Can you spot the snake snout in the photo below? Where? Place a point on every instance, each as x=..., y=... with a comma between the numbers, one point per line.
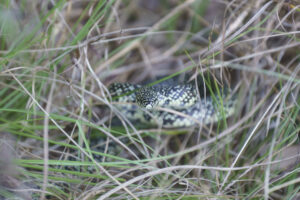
x=146, y=104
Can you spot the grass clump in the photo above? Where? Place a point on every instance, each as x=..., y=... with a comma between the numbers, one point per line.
x=58, y=57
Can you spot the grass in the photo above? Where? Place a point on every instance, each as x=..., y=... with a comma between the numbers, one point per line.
x=58, y=57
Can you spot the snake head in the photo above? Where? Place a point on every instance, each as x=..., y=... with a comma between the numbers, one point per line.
x=147, y=98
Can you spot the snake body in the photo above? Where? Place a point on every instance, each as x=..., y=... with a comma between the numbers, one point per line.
x=172, y=106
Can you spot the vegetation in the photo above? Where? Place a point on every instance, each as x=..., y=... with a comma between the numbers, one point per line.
x=58, y=57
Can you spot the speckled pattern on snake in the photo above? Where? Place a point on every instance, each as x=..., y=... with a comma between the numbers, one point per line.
x=173, y=106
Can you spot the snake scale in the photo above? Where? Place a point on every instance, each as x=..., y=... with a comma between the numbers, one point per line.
x=170, y=106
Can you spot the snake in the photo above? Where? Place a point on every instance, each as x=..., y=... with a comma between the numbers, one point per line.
x=170, y=106
x=166, y=106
